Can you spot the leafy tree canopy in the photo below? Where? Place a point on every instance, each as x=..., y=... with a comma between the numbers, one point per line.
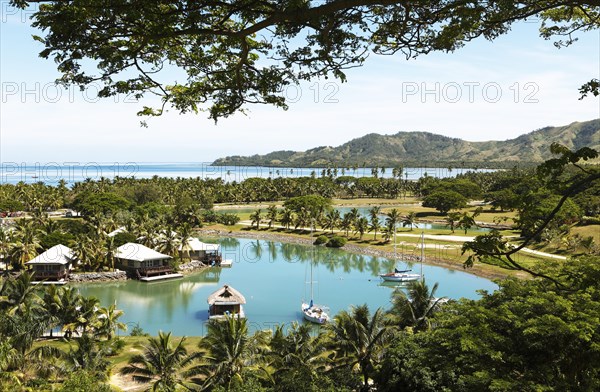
x=444, y=201
x=100, y=203
x=226, y=55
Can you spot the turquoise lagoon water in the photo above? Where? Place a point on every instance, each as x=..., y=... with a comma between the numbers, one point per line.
x=272, y=276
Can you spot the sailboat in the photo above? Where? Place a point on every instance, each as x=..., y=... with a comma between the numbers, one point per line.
x=312, y=312
x=402, y=276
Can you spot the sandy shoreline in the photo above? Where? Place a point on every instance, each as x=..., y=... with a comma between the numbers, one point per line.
x=364, y=250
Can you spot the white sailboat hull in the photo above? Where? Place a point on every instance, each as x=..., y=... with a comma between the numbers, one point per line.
x=400, y=277
x=314, y=314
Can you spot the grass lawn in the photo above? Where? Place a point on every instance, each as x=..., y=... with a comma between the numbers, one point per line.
x=587, y=231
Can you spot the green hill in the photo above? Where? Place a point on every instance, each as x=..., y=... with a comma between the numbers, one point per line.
x=429, y=149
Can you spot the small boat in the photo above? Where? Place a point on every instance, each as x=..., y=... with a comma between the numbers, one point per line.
x=402, y=276
x=314, y=313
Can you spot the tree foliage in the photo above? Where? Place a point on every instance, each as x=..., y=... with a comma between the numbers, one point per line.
x=444, y=201
x=240, y=52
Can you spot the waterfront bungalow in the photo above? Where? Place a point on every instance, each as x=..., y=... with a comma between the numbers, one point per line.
x=53, y=265
x=226, y=301
x=207, y=253
x=144, y=263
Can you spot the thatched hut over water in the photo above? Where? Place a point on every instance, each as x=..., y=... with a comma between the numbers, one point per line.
x=226, y=301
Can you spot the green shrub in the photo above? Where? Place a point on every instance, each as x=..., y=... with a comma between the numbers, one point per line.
x=337, y=242
x=322, y=239
x=82, y=381
x=228, y=219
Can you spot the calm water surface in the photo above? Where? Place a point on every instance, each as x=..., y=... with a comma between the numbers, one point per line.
x=52, y=172
x=272, y=276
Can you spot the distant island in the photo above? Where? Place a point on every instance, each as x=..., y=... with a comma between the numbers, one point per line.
x=428, y=149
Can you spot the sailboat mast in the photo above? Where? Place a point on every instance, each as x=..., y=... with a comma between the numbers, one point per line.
x=395, y=256
x=312, y=256
x=422, y=251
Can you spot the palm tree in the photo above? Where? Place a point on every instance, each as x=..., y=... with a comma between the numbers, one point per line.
x=86, y=315
x=361, y=226
x=287, y=217
x=414, y=309
x=25, y=243
x=303, y=218
x=51, y=304
x=168, y=242
x=255, y=217
x=185, y=234
x=451, y=219
x=332, y=220
x=5, y=246
x=22, y=318
x=347, y=223
x=297, y=350
x=84, y=250
x=388, y=231
x=69, y=301
x=354, y=215
x=374, y=217
x=272, y=215
x=229, y=350
x=410, y=220
x=359, y=339
x=393, y=217
x=19, y=295
x=110, y=247
x=108, y=321
x=374, y=226
x=89, y=355
x=162, y=364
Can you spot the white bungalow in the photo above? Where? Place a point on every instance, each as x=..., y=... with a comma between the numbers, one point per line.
x=226, y=301
x=53, y=265
x=198, y=250
x=144, y=263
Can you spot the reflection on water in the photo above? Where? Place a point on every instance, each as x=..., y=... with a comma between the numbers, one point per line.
x=272, y=276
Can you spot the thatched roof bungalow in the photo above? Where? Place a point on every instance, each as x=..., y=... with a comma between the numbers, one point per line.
x=226, y=301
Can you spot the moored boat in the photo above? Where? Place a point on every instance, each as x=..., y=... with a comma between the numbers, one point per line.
x=314, y=313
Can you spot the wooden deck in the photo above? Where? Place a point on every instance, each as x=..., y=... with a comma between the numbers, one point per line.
x=52, y=275
x=241, y=314
x=227, y=263
x=47, y=282
x=160, y=277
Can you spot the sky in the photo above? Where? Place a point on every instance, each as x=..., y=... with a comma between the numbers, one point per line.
x=485, y=91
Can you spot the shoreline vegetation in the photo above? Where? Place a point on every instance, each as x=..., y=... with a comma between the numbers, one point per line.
x=483, y=271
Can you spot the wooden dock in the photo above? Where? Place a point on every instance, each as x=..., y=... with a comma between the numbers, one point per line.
x=47, y=282
x=226, y=263
x=160, y=277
